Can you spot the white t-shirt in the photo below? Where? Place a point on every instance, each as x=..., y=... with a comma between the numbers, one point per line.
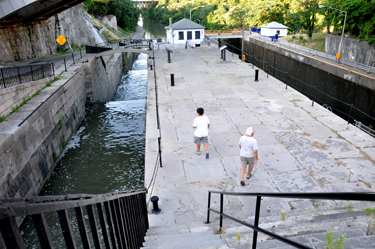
x=248, y=145
x=201, y=122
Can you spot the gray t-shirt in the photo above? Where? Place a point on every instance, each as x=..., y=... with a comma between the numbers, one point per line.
x=248, y=145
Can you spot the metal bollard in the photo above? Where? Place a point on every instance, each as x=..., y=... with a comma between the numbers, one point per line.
x=172, y=79
x=151, y=67
x=256, y=74
x=154, y=201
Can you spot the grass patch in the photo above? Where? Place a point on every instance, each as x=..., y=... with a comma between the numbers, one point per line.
x=16, y=108
x=318, y=41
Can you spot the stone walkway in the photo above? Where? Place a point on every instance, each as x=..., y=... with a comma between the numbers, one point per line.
x=302, y=148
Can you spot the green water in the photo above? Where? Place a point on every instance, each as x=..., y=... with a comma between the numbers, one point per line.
x=105, y=154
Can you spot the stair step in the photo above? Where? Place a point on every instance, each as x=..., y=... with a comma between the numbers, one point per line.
x=184, y=241
x=308, y=239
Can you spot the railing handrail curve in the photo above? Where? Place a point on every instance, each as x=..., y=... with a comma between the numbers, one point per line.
x=352, y=196
x=36, y=205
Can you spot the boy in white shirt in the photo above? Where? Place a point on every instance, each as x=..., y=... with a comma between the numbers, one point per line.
x=201, y=124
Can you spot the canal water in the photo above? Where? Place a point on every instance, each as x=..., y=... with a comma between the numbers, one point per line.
x=105, y=154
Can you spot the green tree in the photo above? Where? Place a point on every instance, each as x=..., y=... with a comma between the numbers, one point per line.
x=307, y=15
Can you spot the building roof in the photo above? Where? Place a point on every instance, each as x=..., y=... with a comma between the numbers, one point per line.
x=274, y=25
x=185, y=24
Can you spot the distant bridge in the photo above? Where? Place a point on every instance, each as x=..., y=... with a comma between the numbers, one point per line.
x=144, y=4
x=21, y=11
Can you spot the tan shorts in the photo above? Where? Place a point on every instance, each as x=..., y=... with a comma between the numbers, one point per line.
x=247, y=161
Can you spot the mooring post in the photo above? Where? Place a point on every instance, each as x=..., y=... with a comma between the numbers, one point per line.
x=172, y=79
x=155, y=205
x=256, y=74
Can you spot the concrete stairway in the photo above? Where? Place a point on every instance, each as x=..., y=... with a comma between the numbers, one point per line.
x=308, y=226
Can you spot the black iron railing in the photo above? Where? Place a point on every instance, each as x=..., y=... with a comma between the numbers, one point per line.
x=370, y=196
x=122, y=217
x=11, y=76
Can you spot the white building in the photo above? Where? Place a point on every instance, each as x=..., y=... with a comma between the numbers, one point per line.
x=185, y=30
x=272, y=28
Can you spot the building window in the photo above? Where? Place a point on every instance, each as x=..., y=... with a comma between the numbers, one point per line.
x=189, y=35
x=181, y=35
x=197, y=35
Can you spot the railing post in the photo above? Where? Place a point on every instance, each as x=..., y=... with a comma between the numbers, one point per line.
x=159, y=144
x=313, y=96
x=116, y=226
x=53, y=70
x=93, y=225
x=66, y=228
x=102, y=224
x=120, y=222
x=19, y=75
x=82, y=227
x=43, y=71
x=350, y=113
x=73, y=58
x=2, y=76
x=110, y=225
x=256, y=221
x=80, y=52
x=42, y=230
x=221, y=211
x=287, y=81
x=65, y=64
x=11, y=234
x=208, y=207
x=32, y=72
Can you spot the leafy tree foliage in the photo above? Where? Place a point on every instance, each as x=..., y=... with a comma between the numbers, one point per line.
x=124, y=10
x=296, y=14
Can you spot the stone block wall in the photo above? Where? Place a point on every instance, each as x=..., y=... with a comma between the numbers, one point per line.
x=29, y=152
x=14, y=96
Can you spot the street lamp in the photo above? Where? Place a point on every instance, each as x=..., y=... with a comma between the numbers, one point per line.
x=257, y=9
x=195, y=9
x=338, y=55
x=199, y=21
x=243, y=26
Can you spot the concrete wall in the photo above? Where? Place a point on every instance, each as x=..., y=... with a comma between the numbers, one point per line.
x=349, y=87
x=352, y=49
x=30, y=152
x=14, y=96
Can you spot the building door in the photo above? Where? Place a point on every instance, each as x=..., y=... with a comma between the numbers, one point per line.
x=189, y=35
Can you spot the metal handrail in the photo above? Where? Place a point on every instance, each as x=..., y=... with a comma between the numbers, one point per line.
x=124, y=222
x=11, y=76
x=350, y=196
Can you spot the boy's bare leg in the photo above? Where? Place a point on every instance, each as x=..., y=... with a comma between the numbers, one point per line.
x=198, y=148
x=205, y=147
